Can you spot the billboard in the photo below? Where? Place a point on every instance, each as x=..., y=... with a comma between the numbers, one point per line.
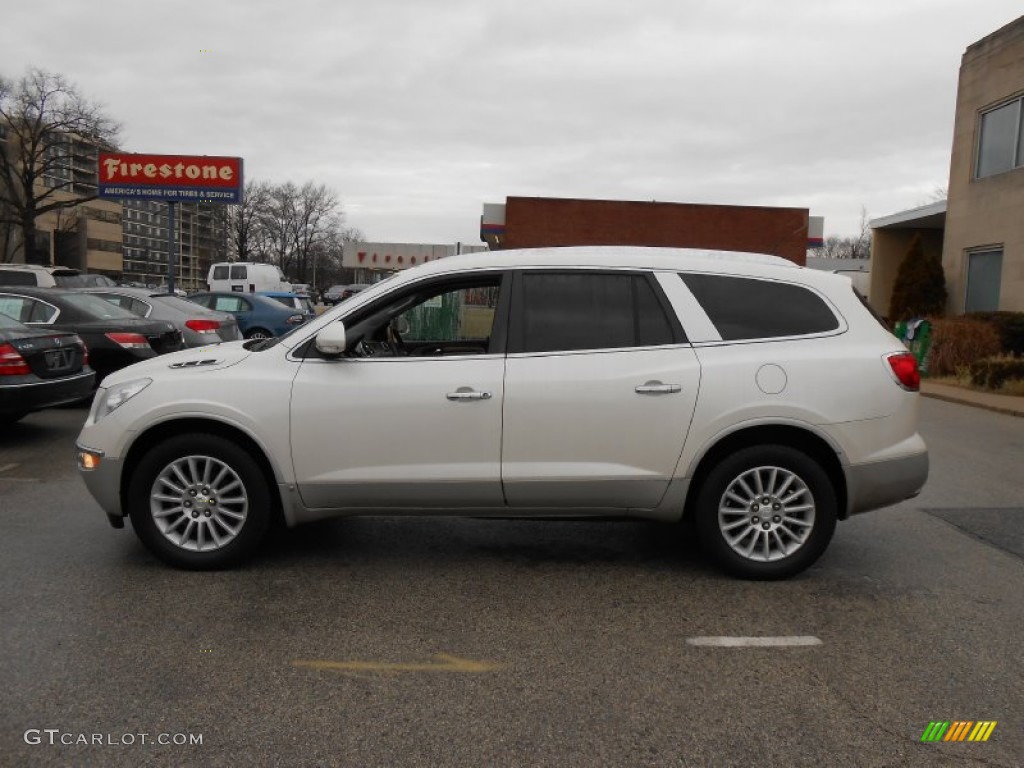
x=171, y=178
x=395, y=256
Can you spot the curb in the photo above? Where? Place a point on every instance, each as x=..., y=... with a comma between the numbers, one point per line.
x=974, y=404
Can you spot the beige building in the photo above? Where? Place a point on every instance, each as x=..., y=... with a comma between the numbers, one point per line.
x=85, y=236
x=979, y=229
x=983, y=253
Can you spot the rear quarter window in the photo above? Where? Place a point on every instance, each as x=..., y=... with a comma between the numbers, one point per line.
x=744, y=308
x=17, y=277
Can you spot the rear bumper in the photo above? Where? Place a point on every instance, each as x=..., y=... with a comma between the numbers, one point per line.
x=883, y=483
x=34, y=396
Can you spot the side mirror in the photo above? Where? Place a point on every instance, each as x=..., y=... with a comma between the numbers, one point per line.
x=330, y=342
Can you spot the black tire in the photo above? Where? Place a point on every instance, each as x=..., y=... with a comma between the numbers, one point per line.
x=212, y=518
x=258, y=333
x=784, y=537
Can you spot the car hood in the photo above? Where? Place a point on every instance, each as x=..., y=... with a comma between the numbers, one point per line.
x=211, y=358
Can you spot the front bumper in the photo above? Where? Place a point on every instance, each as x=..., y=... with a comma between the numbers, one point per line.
x=104, y=483
x=883, y=483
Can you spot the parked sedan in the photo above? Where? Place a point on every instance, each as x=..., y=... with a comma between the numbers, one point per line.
x=258, y=317
x=40, y=369
x=295, y=301
x=199, y=326
x=114, y=336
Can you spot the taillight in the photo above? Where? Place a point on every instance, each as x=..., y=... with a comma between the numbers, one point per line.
x=85, y=349
x=203, y=326
x=904, y=369
x=11, y=362
x=129, y=340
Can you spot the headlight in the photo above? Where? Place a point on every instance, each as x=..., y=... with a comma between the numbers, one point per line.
x=106, y=401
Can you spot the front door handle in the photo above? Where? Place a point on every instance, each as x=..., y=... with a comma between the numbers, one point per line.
x=464, y=393
x=657, y=388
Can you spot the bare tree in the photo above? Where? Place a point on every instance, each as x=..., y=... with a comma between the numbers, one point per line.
x=326, y=257
x=855, y=247
x=317, y=215
x=246, y=233
x=41, y=115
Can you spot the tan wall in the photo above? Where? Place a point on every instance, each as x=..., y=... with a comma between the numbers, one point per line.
x=888, y=249
x=989, y=211
x=75, y=219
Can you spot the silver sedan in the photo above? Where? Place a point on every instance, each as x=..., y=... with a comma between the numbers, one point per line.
x=198, y=325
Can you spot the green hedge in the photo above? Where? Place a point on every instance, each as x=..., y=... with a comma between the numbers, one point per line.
x=993, y=372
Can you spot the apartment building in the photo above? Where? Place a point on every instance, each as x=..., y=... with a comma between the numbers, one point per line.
x=201, y=240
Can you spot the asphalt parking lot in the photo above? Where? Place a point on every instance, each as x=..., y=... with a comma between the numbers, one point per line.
x=423, y=642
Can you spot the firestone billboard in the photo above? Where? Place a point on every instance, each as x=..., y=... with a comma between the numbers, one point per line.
x=171, y=178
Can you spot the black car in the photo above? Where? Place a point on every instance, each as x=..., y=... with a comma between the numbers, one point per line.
x=338, y=293
x=114, y=336
x=39, y=369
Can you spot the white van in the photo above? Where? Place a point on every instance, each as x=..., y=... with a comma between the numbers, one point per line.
x=246, y=277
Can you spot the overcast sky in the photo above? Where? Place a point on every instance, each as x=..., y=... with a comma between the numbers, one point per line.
x=416, y=112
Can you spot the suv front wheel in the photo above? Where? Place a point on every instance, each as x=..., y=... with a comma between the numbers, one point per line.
x=199, y=502
x=766, y=512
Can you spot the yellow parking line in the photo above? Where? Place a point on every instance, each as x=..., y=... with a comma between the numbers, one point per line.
x=442, y=663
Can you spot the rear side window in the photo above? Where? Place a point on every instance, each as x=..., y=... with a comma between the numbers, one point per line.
x=221, y=272
x=17, y=277
x=228, y=304
x=560, y=311
x=748, y=308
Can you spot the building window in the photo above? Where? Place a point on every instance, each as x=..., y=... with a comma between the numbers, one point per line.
x=984, y=275
x=1000, y=143
x=95, y=244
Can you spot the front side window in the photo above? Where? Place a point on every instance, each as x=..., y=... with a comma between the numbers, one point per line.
x=743, y=308
x=1001, y=140
x=568, y=311
x=439, y=318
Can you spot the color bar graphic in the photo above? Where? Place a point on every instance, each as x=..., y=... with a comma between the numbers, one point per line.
x=958, y=730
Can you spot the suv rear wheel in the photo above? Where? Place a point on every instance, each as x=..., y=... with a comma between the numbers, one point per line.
x=199, y=502
x=766, y=512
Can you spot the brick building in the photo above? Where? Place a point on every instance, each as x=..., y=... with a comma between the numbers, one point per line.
x=537, y=222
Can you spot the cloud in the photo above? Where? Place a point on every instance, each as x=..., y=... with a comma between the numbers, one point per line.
x=417, y=113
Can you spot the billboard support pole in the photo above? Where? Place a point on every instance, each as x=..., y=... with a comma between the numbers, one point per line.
x=172, y=257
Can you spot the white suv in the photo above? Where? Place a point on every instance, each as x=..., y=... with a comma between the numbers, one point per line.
x=759, y=398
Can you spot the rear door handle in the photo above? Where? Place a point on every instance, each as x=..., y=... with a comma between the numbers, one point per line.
x=468, y=394
x=657, y=388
